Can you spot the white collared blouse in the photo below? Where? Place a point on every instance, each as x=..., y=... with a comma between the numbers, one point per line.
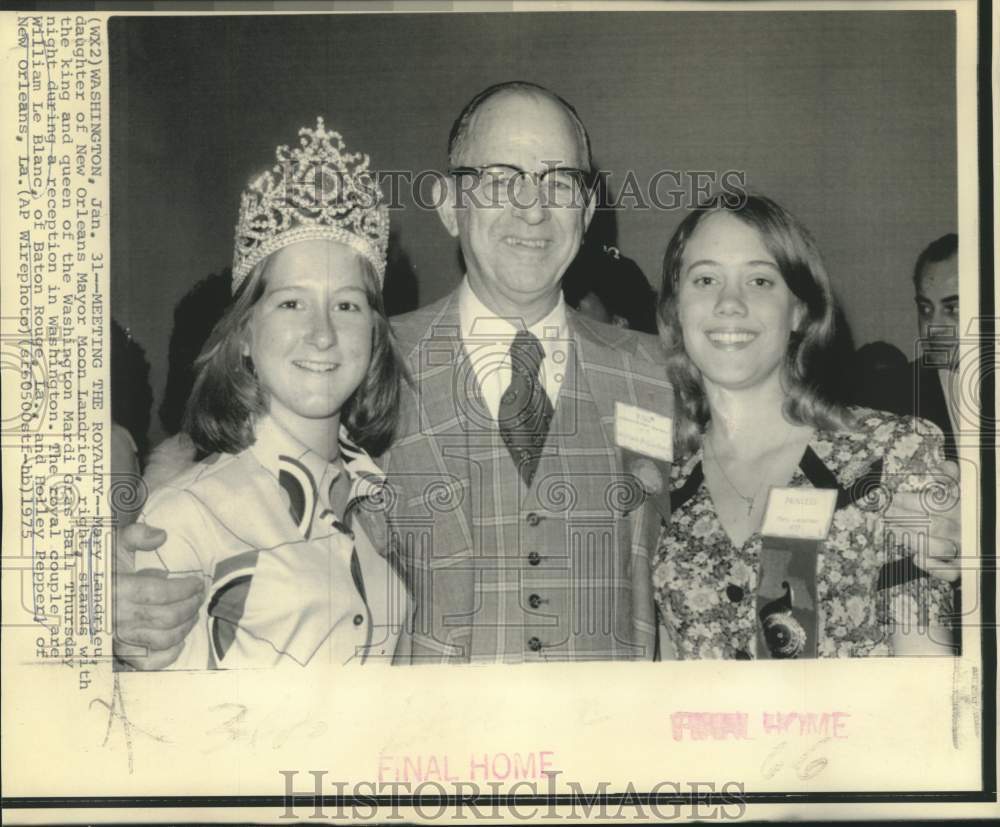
x=291, y=577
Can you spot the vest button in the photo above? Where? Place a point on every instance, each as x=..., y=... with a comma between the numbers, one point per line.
x=534, y=558
x=734, y=593
x=534, y=601
x=534, y=644
x=358, y=620
x=533, y=519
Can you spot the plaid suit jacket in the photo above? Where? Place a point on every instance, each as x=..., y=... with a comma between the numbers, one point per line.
x=430, y=483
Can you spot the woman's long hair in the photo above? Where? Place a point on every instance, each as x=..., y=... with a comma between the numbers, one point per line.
x=806, y=373
x=226, y=397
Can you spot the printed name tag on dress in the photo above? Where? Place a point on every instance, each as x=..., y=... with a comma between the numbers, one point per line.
x=800, y=513
x=644, y=432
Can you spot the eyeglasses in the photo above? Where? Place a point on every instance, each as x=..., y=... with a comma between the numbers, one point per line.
x=502, y=184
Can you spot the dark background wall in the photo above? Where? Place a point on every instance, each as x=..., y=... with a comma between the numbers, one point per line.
x=847, y=118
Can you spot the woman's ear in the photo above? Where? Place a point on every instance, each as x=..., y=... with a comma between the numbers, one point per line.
x=245, y=335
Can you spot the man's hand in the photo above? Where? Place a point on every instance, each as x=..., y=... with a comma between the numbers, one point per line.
x=944, y=551
x=153, y=614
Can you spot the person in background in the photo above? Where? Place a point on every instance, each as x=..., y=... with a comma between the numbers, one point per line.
x=928, y=387
x=608, y=287
x=871, y=366
x=879, y=358
x=195, y=316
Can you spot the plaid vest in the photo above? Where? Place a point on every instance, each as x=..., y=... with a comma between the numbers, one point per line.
x=468, y=530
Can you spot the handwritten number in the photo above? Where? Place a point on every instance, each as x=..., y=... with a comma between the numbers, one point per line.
x=312, y=729
x=805, y=768
x=771, y=766
x=238, y=727
x=814, y=767
x=232, y=727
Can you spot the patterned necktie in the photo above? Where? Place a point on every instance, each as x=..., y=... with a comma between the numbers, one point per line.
x=525, y=410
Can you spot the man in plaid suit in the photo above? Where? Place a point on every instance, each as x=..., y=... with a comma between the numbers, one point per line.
x=526, y=546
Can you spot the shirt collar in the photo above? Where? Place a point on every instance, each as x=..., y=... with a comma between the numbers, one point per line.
x=367, y=479
x=278, y=451
x=951, y=400
x=274, y=447
x=477, y=320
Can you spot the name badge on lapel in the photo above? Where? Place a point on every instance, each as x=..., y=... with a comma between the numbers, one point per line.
x=644, y=432
x=646, y=440
x=796, y=521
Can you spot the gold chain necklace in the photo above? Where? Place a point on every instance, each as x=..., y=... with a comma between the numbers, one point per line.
x=750, y=501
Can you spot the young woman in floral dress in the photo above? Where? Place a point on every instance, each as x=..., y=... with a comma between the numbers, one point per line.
x=747, y=315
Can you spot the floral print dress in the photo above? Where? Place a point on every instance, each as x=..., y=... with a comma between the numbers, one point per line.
x=705, y=586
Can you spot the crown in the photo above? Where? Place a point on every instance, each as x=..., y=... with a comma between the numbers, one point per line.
x=317, y=190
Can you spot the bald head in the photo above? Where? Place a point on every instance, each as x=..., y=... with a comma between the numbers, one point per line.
x=465, y=125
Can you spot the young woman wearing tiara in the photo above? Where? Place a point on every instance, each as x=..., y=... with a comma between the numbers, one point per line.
x=298, y=383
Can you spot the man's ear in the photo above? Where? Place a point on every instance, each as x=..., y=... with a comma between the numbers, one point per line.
x=443, y=192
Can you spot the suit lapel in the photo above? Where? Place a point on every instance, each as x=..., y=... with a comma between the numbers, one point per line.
x=932, y=402
x=614, y=372
x=607, y=357
x=442, y=381
x=446, y=590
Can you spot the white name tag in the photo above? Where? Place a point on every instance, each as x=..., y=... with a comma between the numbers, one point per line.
x=644, y=432
x=802, y=513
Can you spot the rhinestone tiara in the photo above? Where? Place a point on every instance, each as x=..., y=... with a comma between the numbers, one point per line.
x=318, y=190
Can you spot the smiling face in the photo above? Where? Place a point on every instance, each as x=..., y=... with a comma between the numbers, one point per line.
x=310, y=336
x=517, y=252
x=735, y=310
